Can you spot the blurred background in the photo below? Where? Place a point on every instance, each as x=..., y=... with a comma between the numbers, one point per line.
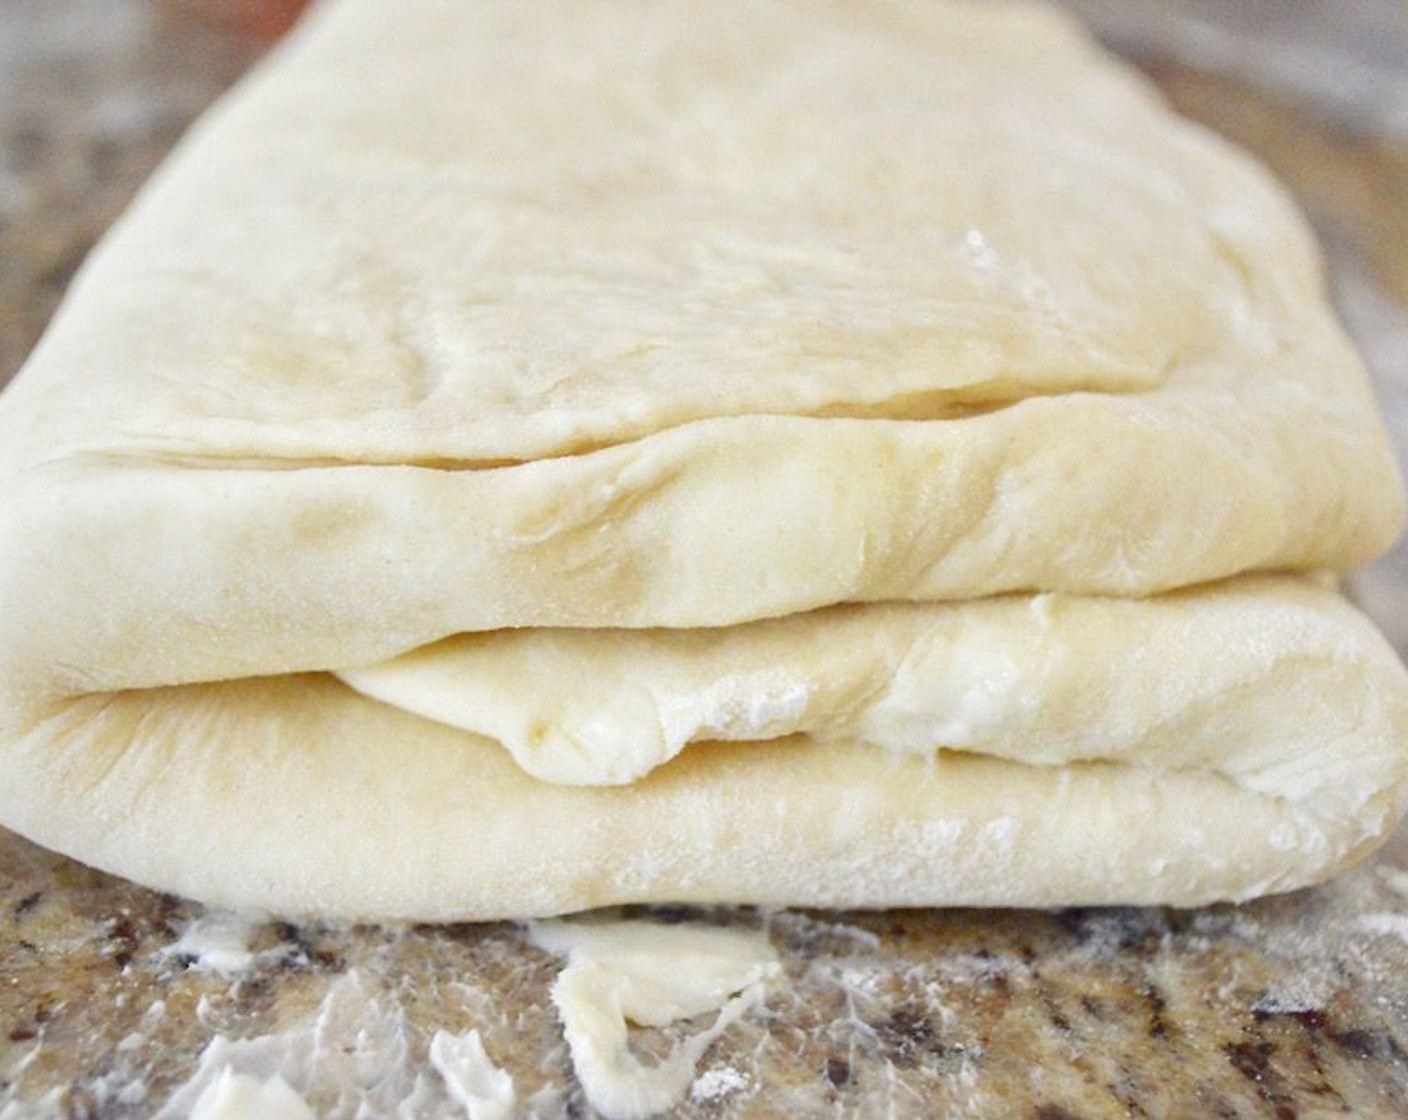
x=94, y=92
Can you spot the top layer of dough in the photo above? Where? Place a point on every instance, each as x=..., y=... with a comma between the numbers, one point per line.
x=567, y=226
x=463, y=316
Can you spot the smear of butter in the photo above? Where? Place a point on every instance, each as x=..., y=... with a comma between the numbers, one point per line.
x=238, y=1096
x=356, y=1057
x=651, y=974
x=352, y=1056
x=473, y=1080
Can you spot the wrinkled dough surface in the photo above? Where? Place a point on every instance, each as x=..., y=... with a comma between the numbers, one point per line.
x=503, y=237
x=1256, y=680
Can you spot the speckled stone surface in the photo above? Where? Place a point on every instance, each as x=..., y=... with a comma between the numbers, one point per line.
x=1291, y=1007
x=1294, y=1007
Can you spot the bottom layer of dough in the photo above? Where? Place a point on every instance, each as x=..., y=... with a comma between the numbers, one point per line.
x=299, y=796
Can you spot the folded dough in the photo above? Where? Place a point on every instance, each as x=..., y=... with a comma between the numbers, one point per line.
x=468, y=318
x=1265, y=682
x=1216, y=744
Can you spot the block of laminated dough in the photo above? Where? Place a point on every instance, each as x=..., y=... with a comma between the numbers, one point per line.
x=759, y=344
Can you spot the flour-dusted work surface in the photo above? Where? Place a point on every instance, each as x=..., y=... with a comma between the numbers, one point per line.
x=117, y=1002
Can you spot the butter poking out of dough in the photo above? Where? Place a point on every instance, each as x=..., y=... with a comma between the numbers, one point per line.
x=238, y=1096
x=621, y=972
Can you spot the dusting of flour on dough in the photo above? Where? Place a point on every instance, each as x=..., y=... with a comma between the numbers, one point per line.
x=743, y=707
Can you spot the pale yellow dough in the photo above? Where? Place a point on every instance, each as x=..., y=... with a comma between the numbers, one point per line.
x=463, y=317
x=1275, y=684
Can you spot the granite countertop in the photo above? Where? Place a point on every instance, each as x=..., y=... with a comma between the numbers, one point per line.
x=116, y=1002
